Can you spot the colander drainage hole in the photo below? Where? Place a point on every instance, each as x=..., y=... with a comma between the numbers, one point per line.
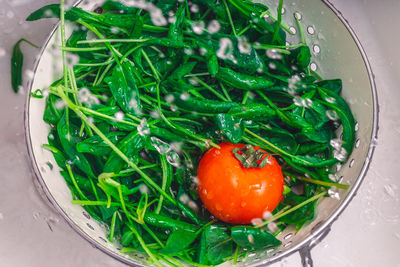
x=351, y=163
x=356, y=126
x=269, y=251
x=316, y=49
x=102, y=239
x=310, y=30
x=292, y=29
x=90, y=226
x=288, y=236
x=313, y=66
x=358, y=143
x=86, y=214
x=287, y=244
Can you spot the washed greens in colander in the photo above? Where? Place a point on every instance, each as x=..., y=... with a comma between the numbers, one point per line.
x=149, y=87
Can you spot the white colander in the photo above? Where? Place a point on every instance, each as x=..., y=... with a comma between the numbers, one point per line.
x=337, y=53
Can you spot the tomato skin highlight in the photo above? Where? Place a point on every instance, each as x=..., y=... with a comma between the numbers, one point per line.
x=233, y=193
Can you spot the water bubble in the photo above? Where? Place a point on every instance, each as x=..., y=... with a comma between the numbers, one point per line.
x=225, y=50
x=273, y=54
x=188, y=51
x=71, y=59
x=143, y=189
x=10, y=14
x=272, y=65
x=390, y=190
x=333, y=193
x=184, y=96
x=193, y=205
x=332, y=115
x=155, y=12
x=115, y=30
x=36, y=215
x=29, y=74
x=340, y=154
x=60, y=104
x=119, y=115
x=301, y=102
x=161, y=146
x=336, y=143
x=85, y=97
x=198, y=27
x=184, y=198
x=173, y=158
x=213, y=26
x=202, y=51
x=143, y=127
x=256, y=221
x=250, y=237
x=272, y=227
x=267, y=215
x=194, y=8
x=171, y=19
x=243, y=45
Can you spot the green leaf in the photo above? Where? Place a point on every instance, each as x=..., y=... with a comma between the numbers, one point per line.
x=49, y=11
x=130, y=146
x=215, y=245
x=334, y=85
x=96, y=145
x=178, y=241
x=54, y=109
x=124, y=89
x=17, y=61
x=58, y=155
x=69, y=137
x=253, y=238
x=300, y=215
x=231, y=126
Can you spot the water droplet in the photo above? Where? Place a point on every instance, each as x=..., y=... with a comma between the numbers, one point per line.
x=10, y=14
x=256, y=221
x=225, y=50
x=194, y=8
x=273, y=54
x=218, y=207
x=272, y=227
x=173, y=158
x=267, y=215
x=143, y=189
x=333, y=193
x=243, y=45
x=332, y=115
x=143, y=127
x=161, y=146
x=340, y=154
x=198, y=27
x=250, y=238
x=119, y=115
x=36, y=215
x=213, y=26
x=390, y=190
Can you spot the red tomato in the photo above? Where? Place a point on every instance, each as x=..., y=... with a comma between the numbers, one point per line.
x=233, y=193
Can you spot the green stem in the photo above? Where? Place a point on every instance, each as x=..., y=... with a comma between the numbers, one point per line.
x=163, y=160
x=115, y=148
x=276, y=217
x=153, y=69
x=313, y=181
x=93, y=41
x=212, y=90
x=228, y=13
x=112, y=227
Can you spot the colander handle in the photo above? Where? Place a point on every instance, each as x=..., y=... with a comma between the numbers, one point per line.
x=305, y=251
x=306, y=259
